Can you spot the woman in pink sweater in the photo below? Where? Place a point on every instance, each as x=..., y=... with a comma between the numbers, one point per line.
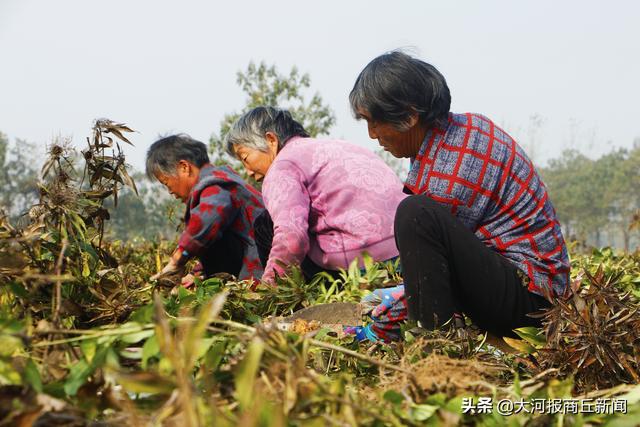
x=327, y=201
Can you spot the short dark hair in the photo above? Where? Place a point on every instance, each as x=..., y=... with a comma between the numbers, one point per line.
x=164, y=155
x=250, y=129
x=395, y=85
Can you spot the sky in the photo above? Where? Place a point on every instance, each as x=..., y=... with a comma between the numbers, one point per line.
x=161, y=66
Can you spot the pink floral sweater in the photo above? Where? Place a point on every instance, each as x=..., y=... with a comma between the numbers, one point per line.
x=330, y=200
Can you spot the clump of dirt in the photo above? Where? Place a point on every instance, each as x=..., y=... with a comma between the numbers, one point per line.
x=438, y=373
x=301, y=326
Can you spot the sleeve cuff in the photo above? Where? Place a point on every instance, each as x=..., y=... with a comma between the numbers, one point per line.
x=184, y=256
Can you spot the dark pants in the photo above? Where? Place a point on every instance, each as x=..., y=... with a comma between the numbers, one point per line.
x=225, y=255
x=447, y=269
x=263, y=229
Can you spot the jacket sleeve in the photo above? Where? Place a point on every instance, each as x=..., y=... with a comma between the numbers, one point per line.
x=287, y=200
x=209, y=217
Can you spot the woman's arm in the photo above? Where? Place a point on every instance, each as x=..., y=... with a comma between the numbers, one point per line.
x=208, y=219
x=287, y=200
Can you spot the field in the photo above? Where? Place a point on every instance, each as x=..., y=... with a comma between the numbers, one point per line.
x=87, y=339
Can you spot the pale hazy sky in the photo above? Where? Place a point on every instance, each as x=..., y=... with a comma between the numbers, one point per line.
x=170, y=66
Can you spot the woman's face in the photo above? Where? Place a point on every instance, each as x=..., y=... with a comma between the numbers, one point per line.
x=180, y=184
x=400, y=143
x=257, y=162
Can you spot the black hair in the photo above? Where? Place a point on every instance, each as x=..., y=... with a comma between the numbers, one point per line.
x=394, y=86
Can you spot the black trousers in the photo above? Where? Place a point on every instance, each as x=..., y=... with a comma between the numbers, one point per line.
x=447, y=269
x=225, y=255
x=263, y=229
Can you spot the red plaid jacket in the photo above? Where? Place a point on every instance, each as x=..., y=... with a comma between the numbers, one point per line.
x=222, y=202
x=479, y=172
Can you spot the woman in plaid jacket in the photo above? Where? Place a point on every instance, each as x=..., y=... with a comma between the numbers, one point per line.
x=478, y=234
x=220, y=209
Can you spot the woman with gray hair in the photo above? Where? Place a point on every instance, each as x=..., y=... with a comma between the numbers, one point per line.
x=479, y=234
x=327, y=201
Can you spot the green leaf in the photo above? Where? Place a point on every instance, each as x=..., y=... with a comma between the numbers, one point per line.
x=131, y=353
x=517, y=389
x=18, y=290
x=195, y=333
x=88, y=348
x=78, y=224
x=9, y=344
x=143, y=315
x=455, y=404
x=164, y=366
x=11, y=326
x=520, y=345
x=78, y=375
x=393, y=397
x=108, y=357
x=32, y=376
x=438, y=399
x=246, y=375
x=202, y=347
x=367, y=261
x=149, y=349
x=323, y=333
x=135, y=337
x=214, y=355
x=8, y=374
x=532, y=335
x=183, y=293
x=422, y=412
x=86, y=271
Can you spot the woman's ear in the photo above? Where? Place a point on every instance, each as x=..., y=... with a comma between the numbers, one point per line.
x=413, y=119
x=184, y=168
x=272, y=142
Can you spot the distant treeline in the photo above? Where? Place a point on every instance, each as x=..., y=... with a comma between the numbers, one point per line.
x=596, y=200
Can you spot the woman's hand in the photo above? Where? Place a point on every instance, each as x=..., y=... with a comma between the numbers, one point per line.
x=188, y=280
x=170, y=268
x=387, y=307
x=173, y=266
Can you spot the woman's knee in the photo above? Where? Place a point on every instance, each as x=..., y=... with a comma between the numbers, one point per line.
x=412, y=211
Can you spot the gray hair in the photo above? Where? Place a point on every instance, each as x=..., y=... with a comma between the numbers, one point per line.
x=164, y=155
x=394, y=86
x=250, y=129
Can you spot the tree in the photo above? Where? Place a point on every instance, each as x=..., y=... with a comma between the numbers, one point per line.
x=264, y=85
x=150, y=214
x=592, y=197
x=576, y=194
x=623, y=189
x=18, y=176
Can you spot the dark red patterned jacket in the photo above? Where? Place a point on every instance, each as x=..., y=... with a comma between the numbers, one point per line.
x=483, y=176
x=222, y=202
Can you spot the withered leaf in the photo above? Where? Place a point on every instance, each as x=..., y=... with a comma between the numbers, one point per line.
x=46, y=167
x=127, y=178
